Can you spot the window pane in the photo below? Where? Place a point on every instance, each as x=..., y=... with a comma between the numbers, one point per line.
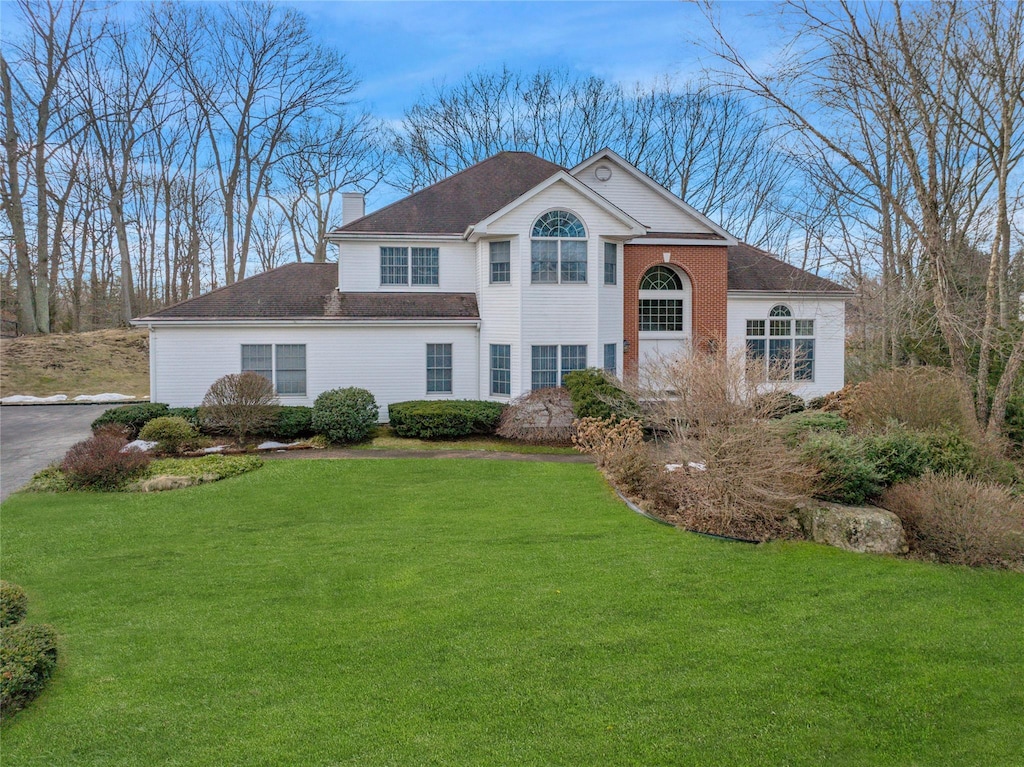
x=780, y=359
x=803, y=365
x=661, y=314
x=611, y=263
x=610, y=355
x=394, y=266
x=258, y=358
x=661, y=278
x=291, y=368
x=573, y=358
x=501, y=261
x=425, y=266
x=558, y=223
x=501, y=369
x=804, y=327
x=755, y=327
x=756, y=358
x=780, y=310
x=574, y=261
x=780, y=327
x=439, y=368
x=544, y=261
x=544, y=368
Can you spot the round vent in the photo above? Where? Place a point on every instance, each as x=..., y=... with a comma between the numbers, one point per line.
x=602, y=173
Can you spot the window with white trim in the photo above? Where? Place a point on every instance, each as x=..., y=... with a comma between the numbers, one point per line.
x=662, y=314
x=501, y=370
x=550, y=364
x=409, y=266
x=501, y=262
x=558, y=249
x=611, y=263
x=439, y=368
x=780, y=348
x=611, y=359
x=284, y=365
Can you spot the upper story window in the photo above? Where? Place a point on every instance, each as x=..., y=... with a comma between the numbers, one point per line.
x=558, y=249
x=611, y=263
x=501, y=261
x=662, y=311
x=781, y=349
x=409, y=266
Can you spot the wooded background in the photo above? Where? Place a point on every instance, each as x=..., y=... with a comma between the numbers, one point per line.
x=149, y=160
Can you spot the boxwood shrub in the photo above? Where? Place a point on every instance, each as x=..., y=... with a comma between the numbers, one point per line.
x=28, y=658
x=293, y=422
x=13, y=603
x=132, y=417
x=345, y=415
x=595, y=395
x=444, y=419
x=173, y=434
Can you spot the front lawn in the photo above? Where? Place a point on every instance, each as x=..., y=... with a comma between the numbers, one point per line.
x=410, y=612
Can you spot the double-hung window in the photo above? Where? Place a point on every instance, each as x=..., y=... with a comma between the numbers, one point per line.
x=439, y=368
x=409, y=266
x=558, y=249
x=284, y=365
x=611, y=263
x=610, y=359
x=501, y=262
x=501, y=370
x=781, y=348
x=550, y=364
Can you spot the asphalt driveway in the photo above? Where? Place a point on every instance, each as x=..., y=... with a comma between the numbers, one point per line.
x=34, y=436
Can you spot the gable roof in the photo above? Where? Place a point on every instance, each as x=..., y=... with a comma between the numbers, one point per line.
x=452, y=205
x=310, y=292
x=756, y=270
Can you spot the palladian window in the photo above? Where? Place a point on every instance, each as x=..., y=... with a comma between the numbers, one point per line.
x=662, y=314
x=558, y=249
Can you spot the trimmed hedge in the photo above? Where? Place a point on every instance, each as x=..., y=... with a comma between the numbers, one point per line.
x=444, y=419
x=132, y=417
x=595, y=395
x=28, y=658
x=345, y=415
x=293, y=422
x=173, y=434
x=13, y=603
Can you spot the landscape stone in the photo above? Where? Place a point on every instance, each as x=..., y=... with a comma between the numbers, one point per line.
x=866, y=529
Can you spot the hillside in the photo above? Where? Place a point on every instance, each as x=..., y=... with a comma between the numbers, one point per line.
x=76, y=363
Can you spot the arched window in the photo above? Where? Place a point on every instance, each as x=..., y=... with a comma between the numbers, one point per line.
x=781, y=349
x=663, y=313
x=558, y=249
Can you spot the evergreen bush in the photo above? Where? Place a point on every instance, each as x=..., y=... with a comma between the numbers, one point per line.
x=345, y=415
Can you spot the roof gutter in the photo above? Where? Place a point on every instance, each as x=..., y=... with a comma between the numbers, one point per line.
x=152, y=322
x=808, y=293
x=415, y=236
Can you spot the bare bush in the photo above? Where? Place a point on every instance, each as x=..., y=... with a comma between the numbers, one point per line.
x=241, y=404
x=541, y=416
x=920, y=398
x=607, y=438
x=961, y=521
x=102, y=462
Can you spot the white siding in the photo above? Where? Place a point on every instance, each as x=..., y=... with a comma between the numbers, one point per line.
x=389, y=361
x=829, y=315
x=500, y=315
x=639, y=200
x=359, y=266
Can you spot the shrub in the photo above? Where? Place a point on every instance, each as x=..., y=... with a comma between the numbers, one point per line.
x=795, y=427
x=960, y=521
x=920, y=398
x=13, y=603
x=607, y=438
x=777, y=404
x=240, y=404
x=619, y=450
x=949, y=453
x=172, y=434
x=845, y=474
x=28, y=658
x=211, y=466
x=897, y=455
x=1014, y=425
x=444, y=419
x=190, y=414
x=595, y=395
x=541, y=416
x=101, y=463
x=49, y=480
x=292, y=422
x=132, y=417
x=345, y=415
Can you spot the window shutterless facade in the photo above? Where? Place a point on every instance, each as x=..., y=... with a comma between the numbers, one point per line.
x=409, y=266
x=501, y=262
x=781, y=348
x=611, y=359
x=611, y=263
x=501, y=370
x=550, y=364
x=439, y=368
x=284, y=365
x=558, y=249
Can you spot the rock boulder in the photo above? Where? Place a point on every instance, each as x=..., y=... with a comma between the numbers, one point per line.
x=866, y=529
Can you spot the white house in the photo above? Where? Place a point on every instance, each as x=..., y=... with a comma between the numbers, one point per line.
x=498, y=280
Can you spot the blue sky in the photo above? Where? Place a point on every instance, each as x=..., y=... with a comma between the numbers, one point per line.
x=400, y=49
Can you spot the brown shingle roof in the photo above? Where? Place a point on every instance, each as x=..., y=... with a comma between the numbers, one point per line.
x=751, y=268
x=451, y=205
x=310, y=291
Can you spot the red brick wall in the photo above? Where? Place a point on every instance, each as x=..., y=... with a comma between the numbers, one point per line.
x=708, y=271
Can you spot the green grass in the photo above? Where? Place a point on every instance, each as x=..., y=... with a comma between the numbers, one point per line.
x=384, y=438
x=476, y=613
